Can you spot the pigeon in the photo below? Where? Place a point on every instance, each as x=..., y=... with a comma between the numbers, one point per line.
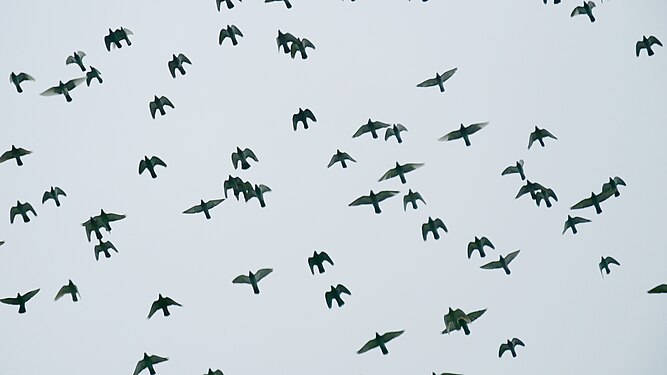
x=647, y=43
x=517, y=168
x=230, y=32
x=503, y=262
x=604, y=264
x=478, y=244
x=318, y=260
x=20, y=300
x=439, y=80
x=284, y=40
x=150, y=165
x=229, y=3
x=177, y=63
x=148, y=362
x=70, y=289
x=340, y=157
x=586, y=9
x=530, y=187
x=287, y=3
x=303, y=116
x=571, y=222
x=158, y=104
x=21, y=209
x=115, y=37
x=457, y=319
x=374, y=199
x=372, y=127
x=511, y=346
x=241, y=156
x=103, y=247
x=611, y=188
x=234, y=183
x=432, y=226
x=16, y=79
x=255, y=192
x=662, y=288
x=400, y=171
x=300, y=45
x=538, y=135
x=162, y=303
x=54, y=193
x=76, y=58
x=334, y=294
x=203, y=207
x=412, y=198
x=380, y=341
x=395, y=131
x=15, y=153
x=253, y=278
x=93, y=225
x=64, y=88
x=594, y=200
x=94, y=73
x=464, y=132
x=104, y=219
x=545, y=194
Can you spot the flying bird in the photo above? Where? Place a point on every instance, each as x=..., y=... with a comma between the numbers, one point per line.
x=70, y=289
x=464, y=132
x=54, y=193
x=158, y=104
x=20, y=300
x=284, y=39
x=503, y=262
x=340, y=157
x=571, y=222
x=303, y=116
x=76, y=58
x=115, y=37
x=2, y=243
x=234, y=183
x=253, y=278
x=64, y=88
x=334, y=294
x=230, y=32
x=370, y=127
x=604, y=264
x=594, y=201
x=586, y=9
x=21, y=209
x=147, y=363
x=162, y=303
x=16, y=79
x=255, y=192
x=478, y=244
x=380, y=341
x=229, y=3
x=539, y=135
x=287, y=3
x=517, y=168
x=242, y=156
x=611, y=188
x=529, y=187
x=15, y=153
x=318, y=260
x=150, y=165
x=433, y=226
x=216, y=372
x=105, y=218
x=555, y=1
x=400, y=171
x=457, y=319
x=374, y=199
x=203, y=207
x=662, y=288
x=395, y=131
x=511, y=346
x=93, y=74
x=93, y=225
x=300, y=45
x=544, y=194
x=647, y=43
x=439, y=80
x=177, y=63
x=412, y=198
x=103, y=247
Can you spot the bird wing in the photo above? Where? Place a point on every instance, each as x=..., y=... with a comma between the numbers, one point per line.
x=583, y=204
x=503, y=348
x=153, y=107
x=10, y=301
x=170, y=302
x=157, y=161
x=213, y=202
x=492, y=265
x=140, y=366
x=241, y=279
x=329, y=296
x=236, y=30
x=471, y=249
x=638, y=47
x=411, y=167
x=223, y=34
x=388, y=133
x=142, y=166
x=406, y=199
x=27, y=77
x=114, y=217
x=653, y=40
x=59, y=191
x=29, y=295
x=662, y=288
x=311, y=264
x=456, y=134
x=333, y=160
x=516, y=341
x=172, y=64
x=46, y=196
x=486, y=242
x=326, y=258
x=70, y=60
x=12, y=213
x=193, y=209
x=385, y=194
x=342, y=289
x=306, y=43
x=362, y=129
x=440, y=224
x=51, y=91
x=165, y=101
x=546, y=133
x=183, y=59
x=473, y=128
x=446, y=75
x=63, y=290
x=368, y=346
x=236, y=158
x=391, y=335
x=425, y=230
x=476, y=314
x=511, y=256
x=389, y=174
x=72, y=83
x=577, y=11
x=611, y=260
x=579, y=220
x=428, y=83
x=155, y=306
x=510, y=169
x=263, y=188
x=365, y=199
x=532, y=138
x=309, y=114
x=249, y=154
x=262, y=273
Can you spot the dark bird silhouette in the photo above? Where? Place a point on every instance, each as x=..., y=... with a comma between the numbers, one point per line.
x=257, y=191
x=162, y=303
x=177, y=63
x=70, y=289
x=586, y=9
x=241, y=156
x=503, y=262
x=611, y=188
x=216, y=372
x=571, y=222
x=54, y=193
x=318, y=260
x=253, y=278
x=539, y=135
x=147, y=363
x=303, y=116
x=105, y=218
x=374, y=199
x=340, y=157
x=395, y=131
x=230, y=32
x=20, y=300
x=439, y=80
x=16, y=79
x=234, y=183
x=478, y=244
x=103, y=247
x=464, y=132
x=158, y=105
x=370, y=127
x=76, y=58
x=647, y=43
x=2, y=243
x=229, y=3
x=517, y=168
x=594, y=200
x=334, y=294
x=544, y=194
x=203, y=207
x=284, y=39
x=412, y=198
x=380, y=341
x=93, y=225
x=662, y=288
x=15, y=153
x=287, y=3
x=300, y=45
x=93, y=74
x=529, y=187
x=400, y=171
x=64, y=88
x=150, y=165
x=432, y=226
x=21, y=209
x=604, y=264
x=511, y=346
x=555, y=1
x=115, y=37
x=457, y=319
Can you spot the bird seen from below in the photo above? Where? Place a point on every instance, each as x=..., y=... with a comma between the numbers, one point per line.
x=242, y=156
x=16, y=79
x=158, y=105
x=340, y=157
x=511, y=346
x=20, y=300
x=539, y=135
x=253, y=278
x=93, y=74
x=15, y=153
x=439, y=80
x=604, y=264
x=380, y=341
x=103, y=247
x=162, y=303
x=303, y=116
x=400, y=171
x=256, y=191
x=300, y=45
x=412, y=198
x=572, y=222
x=478, y=244
x=503, y=262
x=432, y=226
x=318, y=260
x=517, y=168
x=70, y=289
x=147, y=362
x=176, y=63
x=586, y=8
x=457, y=319
x=594, y=200
x=231, y=31
x=374, y=199
x=335, y=294
x=464, y=132
x=204, y=207
x=54, y=193
x=395, y=131
x=150, y=164
x=76, y=58
x=370, y=127
x=64, y=88
x=116, y=36
x=21, y=209
x=646, y=43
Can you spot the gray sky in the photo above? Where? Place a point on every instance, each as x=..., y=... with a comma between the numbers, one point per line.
x=520, y=64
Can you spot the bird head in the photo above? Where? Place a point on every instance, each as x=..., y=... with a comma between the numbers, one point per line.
x=146, y=356
x=155, y=98
x=201, y=201
x=377, y=335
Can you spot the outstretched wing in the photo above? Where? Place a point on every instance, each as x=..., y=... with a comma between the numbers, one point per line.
x=473, y=128
x=456, y=134
x=154, y=308
x=516, y=341
x=183, y=59
x=503, y=348
x=368, y=346
x=361, y=200
x=411, y=167
x=476, y=314
x=213, y=202
x=30, y=294
x=428, y=83
x=389, y=174
x=583, y=204
x=157, y=161
x=262, y=273
x=385, y=194
x=611, y=260
x=342, y=289
x=492, y=265
x=662, y=288
x=363, y=129
x=63, y=290
x=241, y=279
x=511, y=256
x=446, y=75
x=509, y=170
x=194, y=209
x=391, y=335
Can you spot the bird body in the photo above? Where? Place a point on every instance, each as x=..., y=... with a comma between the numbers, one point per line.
x=253, y=278
x=594, y=201
x=150, y=165
x=70, y=289
x=318, y=260
x=478, y=244
x=76, y=58
x=457, y=319
x=162, y=303
x=303, y=116
x=611, y=188
x=517, y=168
x=604, y=264
x=116, y=36
x=242, y=156
x=177, y=63
x=16, y=79
x=54, y=193
x=464, y=132
x=94, y=73
x=334, y=294
x=586, y=8
x=374, y=199
x=203, y=207
x=256, y=192
x=646, y=43
x=230, y=32
x=380, y=341
x=412, y=198
x=395, y=131
x=539, y=135
x=503, y=262
x=340, y=157
x=20, y=300
x=147, y=363
x=16, y=154
x=370, y=127
x=433, y=226
x=158, y=105
x=544, y=194
x=571, y=222
x=284, y=39
x=439, y=80
x=400, y=171
x=511, y=346
x=234, y=183
x=21, y=209
x=103, y=247
x=64, y=88
x=300, y=45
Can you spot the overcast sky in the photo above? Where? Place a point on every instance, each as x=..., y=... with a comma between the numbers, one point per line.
x=520, y=64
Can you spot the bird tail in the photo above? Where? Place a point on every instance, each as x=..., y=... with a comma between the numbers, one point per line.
x=19, y=162
x=20, y=90
x=74, y=297
x=466, y=330
x=22, y=308
x=255, y=288
x=649, y=50
x=68, y=97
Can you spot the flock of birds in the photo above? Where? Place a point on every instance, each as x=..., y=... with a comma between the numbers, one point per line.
x=454, y=320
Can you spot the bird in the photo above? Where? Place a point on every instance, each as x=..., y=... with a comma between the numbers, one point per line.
x=20, y=300
x=230, y=32
x=16, y=79
x=538, y=135
x=216, y=372
x=203, y=207
x=395, y=131
x=242, y=156
x=253, y=278
x=374, y=199
x=412, y=198
x=148, y=362
x=478, y=244
x=70, y=289
x=400, y=171
x=340, y=157
x=255, y=192
x=177, y=63
x=457, y=319
x=104, y=219
x=517, y=168
x=300, y=45
x=234, y=183
x=334, y=294
x=545, y=194
x=529, y=187
x=303, y=116
x=162, y=303
x=611, y=188
x=76, y=58
x=439, y=80
x=103, y=247
x=662, y=288
x=229, y=3
x=511, y=346
x=604, y=264
x=64, y=88
x=555, y=1
x=381, y=341
x=284, y=39
x=93, y=225
x=158, y=104
x=503, y=262
x=150, y=165
x=21, y=209
x=15, y=153
x=586, y=9
x=94, y=73
x=370, y=127
x=318, y=260
x=594, y=200
x=647, y=43
x=571, y=222
x=54, y=193
x=464, y=132
x=116, y=36
x=287, y=3
x=432, y=226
